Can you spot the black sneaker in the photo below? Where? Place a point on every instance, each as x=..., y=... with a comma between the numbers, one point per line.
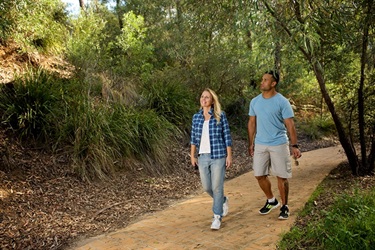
x=269, y=207
x=284, y=214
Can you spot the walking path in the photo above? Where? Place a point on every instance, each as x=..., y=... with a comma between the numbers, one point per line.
x=186, y=225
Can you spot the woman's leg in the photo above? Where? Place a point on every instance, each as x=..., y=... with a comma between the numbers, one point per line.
x=217, y=180
x=204, y=164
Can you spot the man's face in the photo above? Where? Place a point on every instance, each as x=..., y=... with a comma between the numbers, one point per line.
x=267, y=83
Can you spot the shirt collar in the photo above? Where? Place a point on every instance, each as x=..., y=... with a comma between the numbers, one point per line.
x=210, y=112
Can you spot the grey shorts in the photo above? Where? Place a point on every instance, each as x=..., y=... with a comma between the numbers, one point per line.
x=272, y=160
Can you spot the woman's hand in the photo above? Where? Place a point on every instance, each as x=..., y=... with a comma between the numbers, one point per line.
x=194, y=161
x=228, y=162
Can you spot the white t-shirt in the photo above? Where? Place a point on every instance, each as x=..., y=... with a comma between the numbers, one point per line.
x=204, y=147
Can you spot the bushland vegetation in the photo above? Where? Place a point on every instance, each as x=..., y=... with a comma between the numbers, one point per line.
x=137, y=69
x=141, y=66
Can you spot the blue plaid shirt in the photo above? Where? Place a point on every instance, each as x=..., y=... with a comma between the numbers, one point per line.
x=220, y=137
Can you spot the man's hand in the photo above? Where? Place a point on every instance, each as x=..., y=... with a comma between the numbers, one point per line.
x=296, y=153
x=251, y=150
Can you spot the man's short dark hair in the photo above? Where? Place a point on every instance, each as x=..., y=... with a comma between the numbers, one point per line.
x=274, y=74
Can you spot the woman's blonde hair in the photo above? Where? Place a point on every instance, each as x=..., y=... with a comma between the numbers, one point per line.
x=215, y=104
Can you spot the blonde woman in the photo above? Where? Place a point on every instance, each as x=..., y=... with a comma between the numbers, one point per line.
x=212, y=142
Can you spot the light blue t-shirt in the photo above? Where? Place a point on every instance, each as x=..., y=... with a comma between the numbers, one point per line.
x=270, y=114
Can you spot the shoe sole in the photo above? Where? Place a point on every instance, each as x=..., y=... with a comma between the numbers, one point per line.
x=225, y=213
x=278, y=205
x=214, y=228
x=283, y=218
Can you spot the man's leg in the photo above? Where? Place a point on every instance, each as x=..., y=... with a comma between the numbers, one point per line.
x=271, y=202
x=283, y=185
x=265, y=185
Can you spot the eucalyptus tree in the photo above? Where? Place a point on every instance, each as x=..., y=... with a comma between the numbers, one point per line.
x=336, y=38
x=204, y=41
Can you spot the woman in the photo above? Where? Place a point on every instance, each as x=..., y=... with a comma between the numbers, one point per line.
x=211, y=140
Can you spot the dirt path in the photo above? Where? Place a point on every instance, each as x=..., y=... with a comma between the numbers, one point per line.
x=186, y=225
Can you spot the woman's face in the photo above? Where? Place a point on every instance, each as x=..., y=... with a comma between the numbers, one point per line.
x=206, y=99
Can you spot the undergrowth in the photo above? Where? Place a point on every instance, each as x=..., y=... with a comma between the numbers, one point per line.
x=345, y=220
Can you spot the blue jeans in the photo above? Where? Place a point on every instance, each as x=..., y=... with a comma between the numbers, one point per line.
x=212, y=173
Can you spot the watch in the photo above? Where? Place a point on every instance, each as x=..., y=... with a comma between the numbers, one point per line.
x=295, y=146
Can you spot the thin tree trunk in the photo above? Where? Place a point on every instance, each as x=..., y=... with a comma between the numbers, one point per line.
x=371, y=157
x=277, y=45
x=345, y=143
x=119, y=13
x=361, y=115
x=82, y=4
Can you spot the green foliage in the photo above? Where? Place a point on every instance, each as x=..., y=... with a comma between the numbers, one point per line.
x=29, y=106
x=166, y=48
x=316, y=126
x=85, y=47
x=101, y=138
x=135, y=54
x=348, y=224
x=106, y=138
x=170, y=99
x=237, y=111
x=6, y=20
x=38, y=25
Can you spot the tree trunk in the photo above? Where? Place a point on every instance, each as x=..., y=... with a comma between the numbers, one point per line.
x=119, y=13
x=371, y=157
x=82, y=4
x=345, y=143
x=278, y=55
x=361, y=113
x=276, y=27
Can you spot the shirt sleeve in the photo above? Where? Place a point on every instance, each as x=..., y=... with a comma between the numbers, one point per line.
x=226, y=130
x=193, y=131
x=287, y=111
x=251, y=108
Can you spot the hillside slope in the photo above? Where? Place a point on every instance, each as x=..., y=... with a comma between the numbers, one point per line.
x=43, y=205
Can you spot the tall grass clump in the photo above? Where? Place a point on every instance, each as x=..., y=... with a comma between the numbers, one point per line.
x=170, y=99
x=107, y=138
x=348, y=224
x=145, y=136
x=29, y=106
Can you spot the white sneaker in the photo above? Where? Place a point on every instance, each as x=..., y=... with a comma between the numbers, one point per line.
x=216, y=222
x=225, y=206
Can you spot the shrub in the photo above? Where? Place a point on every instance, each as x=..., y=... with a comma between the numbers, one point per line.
x=6, y=20
x=106, y=138
x=85, y=49
x=348, y=224
x=171, y=100
x=39, y=24
x=316, y=126
x=29, y=106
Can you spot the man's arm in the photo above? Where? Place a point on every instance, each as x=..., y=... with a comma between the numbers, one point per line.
x=289, y=123
x=251, y=128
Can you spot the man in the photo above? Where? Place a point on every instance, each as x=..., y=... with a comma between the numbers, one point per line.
x=270, y=122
